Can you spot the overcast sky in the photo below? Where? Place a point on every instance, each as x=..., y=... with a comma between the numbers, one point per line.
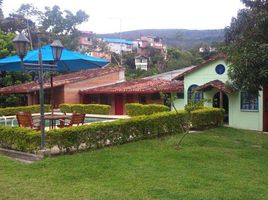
x=105, y=15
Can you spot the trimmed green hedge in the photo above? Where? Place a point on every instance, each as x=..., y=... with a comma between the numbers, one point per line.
x=86, y=108
x=98, y=135
x=136, y=109
x=20, y=139
x=207, y=117
x=13, y=110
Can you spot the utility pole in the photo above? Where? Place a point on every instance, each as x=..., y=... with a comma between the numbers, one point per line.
x=120, y=37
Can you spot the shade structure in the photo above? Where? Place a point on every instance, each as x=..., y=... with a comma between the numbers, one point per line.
x=70, y=60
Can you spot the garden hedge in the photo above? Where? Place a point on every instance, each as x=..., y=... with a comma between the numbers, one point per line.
x=207, y=117
x=13, y=110
x=98, y=135
x=86, y=108
x=20, y=139
x=136, y=109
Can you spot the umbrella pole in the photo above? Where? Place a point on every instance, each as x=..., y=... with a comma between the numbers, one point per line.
x=52, y=94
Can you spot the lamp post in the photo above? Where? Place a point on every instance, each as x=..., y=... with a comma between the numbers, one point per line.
x=21, y=45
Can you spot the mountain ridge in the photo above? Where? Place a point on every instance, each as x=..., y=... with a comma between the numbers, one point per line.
x=181, y=38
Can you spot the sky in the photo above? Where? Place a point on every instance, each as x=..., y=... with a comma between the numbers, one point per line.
x=108, y=16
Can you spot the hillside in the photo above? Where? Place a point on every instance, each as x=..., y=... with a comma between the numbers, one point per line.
x=182, y=38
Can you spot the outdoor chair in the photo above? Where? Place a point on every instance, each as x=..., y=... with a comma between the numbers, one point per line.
x=76, y=119
x=25, y=120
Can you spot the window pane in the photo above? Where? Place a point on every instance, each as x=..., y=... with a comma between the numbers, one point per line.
x=249, y=101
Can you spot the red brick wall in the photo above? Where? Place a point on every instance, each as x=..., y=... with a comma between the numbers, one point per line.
x=71, y=91
x=58, y=96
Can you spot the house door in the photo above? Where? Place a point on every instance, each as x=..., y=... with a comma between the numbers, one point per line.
x=119, y=104
x=265, y=108
x=225, y=104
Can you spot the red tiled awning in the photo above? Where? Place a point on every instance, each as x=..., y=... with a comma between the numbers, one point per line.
x=139, y=86
x=59, y=80
x=216, y=84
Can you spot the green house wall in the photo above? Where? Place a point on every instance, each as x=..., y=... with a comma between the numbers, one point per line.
x=238, y=118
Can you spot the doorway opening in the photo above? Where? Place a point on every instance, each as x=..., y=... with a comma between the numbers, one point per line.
x=225, y=105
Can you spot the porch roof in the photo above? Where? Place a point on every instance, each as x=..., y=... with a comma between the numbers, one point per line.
x=138, y=86
x=216, y=84
x=60, y=80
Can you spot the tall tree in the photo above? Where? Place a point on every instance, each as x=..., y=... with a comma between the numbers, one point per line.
x=10, y=78
x=63, y=25
x=247, y=46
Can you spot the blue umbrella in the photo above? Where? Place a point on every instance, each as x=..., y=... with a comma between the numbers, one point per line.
x=70, y=60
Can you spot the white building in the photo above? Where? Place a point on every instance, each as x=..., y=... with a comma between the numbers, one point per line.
x=118, y=45
x=141, y=62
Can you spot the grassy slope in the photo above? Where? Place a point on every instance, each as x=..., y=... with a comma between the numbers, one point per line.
x=217, y=164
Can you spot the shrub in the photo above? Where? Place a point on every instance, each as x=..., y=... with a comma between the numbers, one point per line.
x=118, y=132
x=13, y=110
x=86, y=108
x=207, y=117
x=98, y=135
x=136, y=109
x=21, y=139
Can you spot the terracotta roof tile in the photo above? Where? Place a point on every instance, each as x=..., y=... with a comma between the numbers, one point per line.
x=138, y=86
x=216, y=84
x=60, y=80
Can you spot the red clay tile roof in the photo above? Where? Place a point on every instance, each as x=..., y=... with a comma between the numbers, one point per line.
x=138, y=86
x=216, y=84
x=60, y=80
x=180, y=76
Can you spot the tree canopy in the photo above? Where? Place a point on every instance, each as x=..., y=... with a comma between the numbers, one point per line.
x=54, y=23
x=247, y=46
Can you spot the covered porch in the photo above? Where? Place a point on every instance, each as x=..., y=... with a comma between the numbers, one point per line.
x=30, y=93
x=218, y=95
x=142, y=91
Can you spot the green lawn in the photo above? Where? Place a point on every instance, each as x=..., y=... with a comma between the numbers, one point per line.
x=217, y=164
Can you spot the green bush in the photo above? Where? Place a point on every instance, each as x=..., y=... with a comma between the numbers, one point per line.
x=206, y=118
x=98, y=135
x=13, y=110
x=136, y=109
x=86, y=108
x=21, y=139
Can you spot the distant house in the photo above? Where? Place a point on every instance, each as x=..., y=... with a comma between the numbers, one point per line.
x=85, y=40
x=207, y=49
x=144, y=42
x=67, y=86
x=141, y=62
x=118, y=45
x=98, y=53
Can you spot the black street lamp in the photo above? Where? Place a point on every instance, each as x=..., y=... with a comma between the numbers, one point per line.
x=56, y=47
x=21, y=45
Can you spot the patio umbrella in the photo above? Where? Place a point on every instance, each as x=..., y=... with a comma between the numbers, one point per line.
x=70, y=61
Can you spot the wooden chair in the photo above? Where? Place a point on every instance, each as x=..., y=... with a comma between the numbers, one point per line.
x=25, y=120
x=76, y=119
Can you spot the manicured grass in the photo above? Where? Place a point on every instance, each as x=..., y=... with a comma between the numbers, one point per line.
x=217, y=164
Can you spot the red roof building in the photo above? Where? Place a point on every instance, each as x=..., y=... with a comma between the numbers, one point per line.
x=145, y=91
x=67, y=86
